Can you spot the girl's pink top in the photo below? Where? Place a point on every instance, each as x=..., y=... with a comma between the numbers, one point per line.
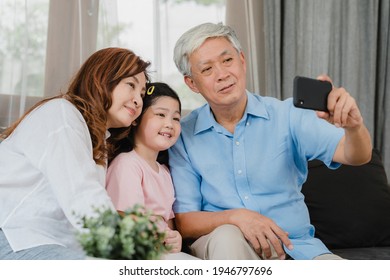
x=131, y=180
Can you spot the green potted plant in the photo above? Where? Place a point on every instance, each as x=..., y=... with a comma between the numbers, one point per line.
x=132, y=236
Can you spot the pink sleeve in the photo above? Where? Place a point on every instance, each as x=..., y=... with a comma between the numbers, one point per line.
x=171, y=215
x=123, y=183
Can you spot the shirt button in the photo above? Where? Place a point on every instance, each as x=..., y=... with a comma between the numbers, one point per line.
x=239, y=171
x=246, y=197
x=237, y=143
x=247, y=124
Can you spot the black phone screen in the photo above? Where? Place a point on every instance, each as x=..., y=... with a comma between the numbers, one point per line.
x=311, y=93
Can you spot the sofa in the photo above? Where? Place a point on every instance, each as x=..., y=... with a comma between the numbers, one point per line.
x=350, y=208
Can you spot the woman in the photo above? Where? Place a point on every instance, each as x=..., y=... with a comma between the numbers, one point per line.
x=53, y=160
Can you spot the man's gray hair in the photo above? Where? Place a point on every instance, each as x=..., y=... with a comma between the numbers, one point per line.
x=191, y=40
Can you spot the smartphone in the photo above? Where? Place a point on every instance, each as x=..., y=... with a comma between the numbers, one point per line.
x=311, y=93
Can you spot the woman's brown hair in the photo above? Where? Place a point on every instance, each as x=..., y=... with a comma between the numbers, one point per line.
x=91, y=92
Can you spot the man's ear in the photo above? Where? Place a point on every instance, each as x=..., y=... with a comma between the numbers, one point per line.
x=191, y=84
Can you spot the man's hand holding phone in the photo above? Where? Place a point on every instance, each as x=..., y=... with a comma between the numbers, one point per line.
x=334, y=105
x=355, y=147
x=311, y=93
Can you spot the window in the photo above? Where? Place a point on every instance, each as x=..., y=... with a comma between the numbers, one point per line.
x=32, y=48
x=151, y=28
x=23, y=29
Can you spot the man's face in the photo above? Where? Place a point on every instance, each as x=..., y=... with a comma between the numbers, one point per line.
x=218, y=73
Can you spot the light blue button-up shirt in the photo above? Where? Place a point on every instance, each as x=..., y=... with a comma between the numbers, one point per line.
x=261, y=167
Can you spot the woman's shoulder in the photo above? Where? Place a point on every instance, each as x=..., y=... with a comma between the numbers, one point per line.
x=54, y=114
x=55, y=109
x=59, y=105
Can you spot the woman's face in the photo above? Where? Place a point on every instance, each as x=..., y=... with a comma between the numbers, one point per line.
x=126, y=101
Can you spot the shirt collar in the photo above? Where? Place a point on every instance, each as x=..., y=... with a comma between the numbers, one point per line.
x=254, y=107
x=205, y=119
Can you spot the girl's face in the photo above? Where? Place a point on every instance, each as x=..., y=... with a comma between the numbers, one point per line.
x=126, y=101
x=160, y=125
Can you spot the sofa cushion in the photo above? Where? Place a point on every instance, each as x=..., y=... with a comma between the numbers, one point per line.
x=367, y=253
x=349, y=206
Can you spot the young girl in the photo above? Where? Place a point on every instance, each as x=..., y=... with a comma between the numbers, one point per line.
x=136, y=177
x=53, y=160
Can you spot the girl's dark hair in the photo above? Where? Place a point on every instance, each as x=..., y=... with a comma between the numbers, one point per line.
x=153, y=92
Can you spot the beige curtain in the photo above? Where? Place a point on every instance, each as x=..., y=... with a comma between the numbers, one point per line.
x=348, y=40
x=72, y=36
x=241, y=16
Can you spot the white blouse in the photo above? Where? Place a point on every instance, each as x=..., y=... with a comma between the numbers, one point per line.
x=48, y=177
